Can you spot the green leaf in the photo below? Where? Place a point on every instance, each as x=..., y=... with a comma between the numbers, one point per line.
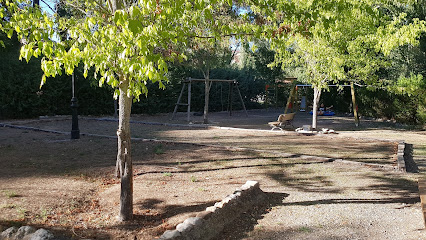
x=135, y=26
x=117, y=17
x=43, y=81
x=116, y=93
x=47, y=49
x=101, y=81
x=135, y=12
x=10, y=33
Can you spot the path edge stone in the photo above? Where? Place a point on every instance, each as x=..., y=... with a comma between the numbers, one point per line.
x=210, y=223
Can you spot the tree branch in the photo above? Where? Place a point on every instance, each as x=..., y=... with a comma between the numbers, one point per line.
x=76, y=7
x=225, y=35
x=48, y=6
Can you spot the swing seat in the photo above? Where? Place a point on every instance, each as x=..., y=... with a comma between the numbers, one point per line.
x=283, y=121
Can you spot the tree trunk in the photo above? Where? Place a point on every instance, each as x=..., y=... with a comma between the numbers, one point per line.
x=124, y=165
x=355, y=107
x=124, y=168
x=206, y=97
x=317, y=95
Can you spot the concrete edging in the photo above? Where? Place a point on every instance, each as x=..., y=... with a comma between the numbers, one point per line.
x=209, y=223
x=400, y=157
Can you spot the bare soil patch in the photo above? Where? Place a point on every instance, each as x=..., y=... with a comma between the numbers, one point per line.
x=68, y=185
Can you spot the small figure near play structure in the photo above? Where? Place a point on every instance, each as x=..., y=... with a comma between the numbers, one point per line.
x=321, y=109
x=324, y=111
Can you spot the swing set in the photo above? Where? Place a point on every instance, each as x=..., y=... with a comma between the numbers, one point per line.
x=292, y=99
x=188, y=84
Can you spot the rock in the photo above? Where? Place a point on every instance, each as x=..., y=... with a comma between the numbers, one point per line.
x=196, y=221
x=205, y=214
x=8, y=233
x=170, y=234
x=211, y=209
x=42, y=234
x=188, y=224
x=24, y=231
x=182, y=227
x=219, y=204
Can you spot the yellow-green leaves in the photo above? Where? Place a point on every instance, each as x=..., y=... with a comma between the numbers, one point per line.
x=135, y=12
x=415, y=84
x=334, y=39
x=397, y=33
x=135, y=26
x=10, y=33
x=120, y=17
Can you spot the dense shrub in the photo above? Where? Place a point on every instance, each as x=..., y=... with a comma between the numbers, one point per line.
x=21, y=97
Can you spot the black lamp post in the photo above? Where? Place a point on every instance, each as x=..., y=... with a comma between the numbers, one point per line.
x=75, y=132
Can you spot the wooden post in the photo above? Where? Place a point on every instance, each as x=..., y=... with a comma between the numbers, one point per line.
x=355, y=107
x=178, y=101
x=290, y=98
x=206, y=98
x=295, y=97
x=221, y=96
x=231, y=87
x=188, y=117
x=422, y=193
x=241, y=98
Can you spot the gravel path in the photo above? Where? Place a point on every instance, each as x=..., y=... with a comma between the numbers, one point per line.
x=334, y=201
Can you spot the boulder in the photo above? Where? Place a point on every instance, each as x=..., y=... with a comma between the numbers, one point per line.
x=42, y=234
x=8, y=233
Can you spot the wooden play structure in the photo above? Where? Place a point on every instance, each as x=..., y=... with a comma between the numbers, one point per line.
x=233, y=84
x=292, y=99
x=272, y=91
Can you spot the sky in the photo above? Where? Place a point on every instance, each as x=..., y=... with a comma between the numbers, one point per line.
x=44, y=5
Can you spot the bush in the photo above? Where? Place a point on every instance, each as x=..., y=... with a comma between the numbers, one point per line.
x=21, y=96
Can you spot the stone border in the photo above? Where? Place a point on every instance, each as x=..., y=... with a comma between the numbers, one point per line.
x=209, y=223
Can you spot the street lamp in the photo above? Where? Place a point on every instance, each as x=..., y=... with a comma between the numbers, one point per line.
x=75, y=132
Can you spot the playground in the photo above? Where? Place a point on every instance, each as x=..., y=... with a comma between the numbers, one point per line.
x=212, y=120
x=324, y=186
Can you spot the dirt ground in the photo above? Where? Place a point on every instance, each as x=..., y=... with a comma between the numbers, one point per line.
x=67, y=186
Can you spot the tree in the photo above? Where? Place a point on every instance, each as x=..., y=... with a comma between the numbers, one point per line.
x=127, y=43
x=337, y=41
x=205, y=55
x=407, y=71
x=212, y=51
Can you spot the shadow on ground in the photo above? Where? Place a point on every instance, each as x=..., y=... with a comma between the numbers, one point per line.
x=246, y=222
